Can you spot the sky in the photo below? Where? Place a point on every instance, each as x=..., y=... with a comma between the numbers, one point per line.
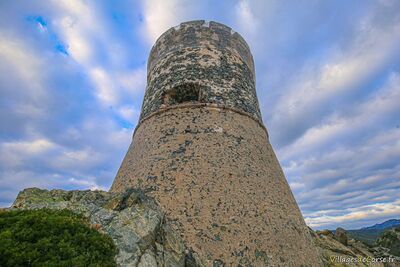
x=73, y=75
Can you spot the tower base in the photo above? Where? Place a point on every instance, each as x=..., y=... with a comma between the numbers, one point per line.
x=215, y=174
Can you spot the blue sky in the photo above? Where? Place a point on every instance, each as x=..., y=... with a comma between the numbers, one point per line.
x=73, y=73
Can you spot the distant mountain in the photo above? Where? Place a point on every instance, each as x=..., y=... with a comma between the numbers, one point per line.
x=370, y=234
x=387, y=224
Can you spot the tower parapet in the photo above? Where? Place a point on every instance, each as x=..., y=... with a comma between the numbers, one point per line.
x=201, y=62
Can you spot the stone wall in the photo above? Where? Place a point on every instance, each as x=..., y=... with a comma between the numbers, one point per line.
x=209, y=56
x=202, y=151
x=215, y=174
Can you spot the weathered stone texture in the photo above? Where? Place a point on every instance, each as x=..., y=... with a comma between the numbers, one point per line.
x=202, y=152
x=341, y=236
x=332, y=250
x=209, y=55
x=215, y=173
x=132, y=219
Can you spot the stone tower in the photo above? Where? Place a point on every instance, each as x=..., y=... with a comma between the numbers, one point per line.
x=202, y=151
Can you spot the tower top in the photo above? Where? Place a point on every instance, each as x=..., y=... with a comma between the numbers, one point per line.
x=201, y=62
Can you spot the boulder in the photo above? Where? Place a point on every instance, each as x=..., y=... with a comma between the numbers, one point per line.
x=341, y=236
x=133, y=220
x=339, y=250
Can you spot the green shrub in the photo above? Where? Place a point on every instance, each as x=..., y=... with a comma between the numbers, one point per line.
x=390, y=239
x=52, y=238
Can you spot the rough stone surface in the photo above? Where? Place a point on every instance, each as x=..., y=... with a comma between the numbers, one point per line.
x=133, y=220
x=202, y=152
x=333, y=250
x=390, y=239
x=139, y=228
x=220, y=184
x=341, y=236
x=209, y=56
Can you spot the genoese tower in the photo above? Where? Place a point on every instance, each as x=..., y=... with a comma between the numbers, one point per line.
x=202, y=151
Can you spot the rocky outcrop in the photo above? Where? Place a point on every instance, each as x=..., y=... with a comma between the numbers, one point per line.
x=133, y=220
x=341, y=236
x=144, y=237
x=390, y=239
x=337, y=249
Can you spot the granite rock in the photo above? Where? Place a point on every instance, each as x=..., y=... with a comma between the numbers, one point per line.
x=335, y=253
x=133, y=220
x=341, y=236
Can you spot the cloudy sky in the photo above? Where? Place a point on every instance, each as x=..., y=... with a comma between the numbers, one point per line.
x=72, y=77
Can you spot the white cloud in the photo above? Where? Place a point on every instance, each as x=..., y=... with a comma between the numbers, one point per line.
x=160, y=16
x=76, y=26
x=350, y=161
x=57, y=135
x=25, y=65
x=296, y=185
x=15, y=154
x=375, y=211
x=129, y=113
x=79, y=159
x=368, y=156
x=33, y=147
x=306, y=100
x=87, y=182
x=105, y=87
x=364, y=117
x=18, y=180
x=245, y=17
x=348, y=179
x=132, y=82
x=84, y=31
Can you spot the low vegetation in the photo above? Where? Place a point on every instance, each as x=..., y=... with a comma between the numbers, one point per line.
x=390, y=239
x=52, y=238
x=367, y=236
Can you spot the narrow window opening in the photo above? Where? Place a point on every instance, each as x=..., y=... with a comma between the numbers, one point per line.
x=188, y=92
